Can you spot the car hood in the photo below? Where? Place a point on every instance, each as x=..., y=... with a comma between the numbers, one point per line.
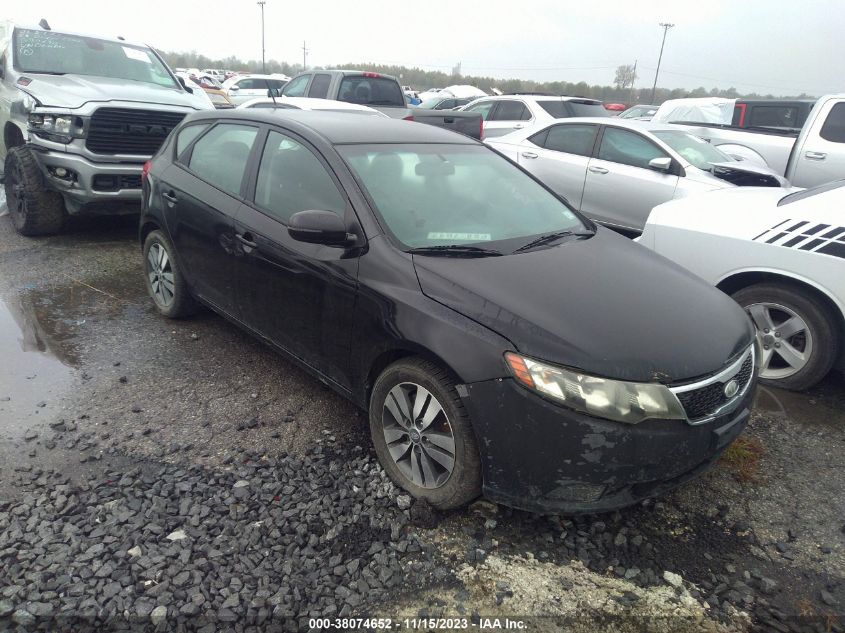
x=604, y=305
x=74, y=91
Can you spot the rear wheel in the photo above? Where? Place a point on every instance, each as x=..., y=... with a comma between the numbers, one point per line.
x=33, y=209
x=797, y=334
x=165, y=283
x=422, y=434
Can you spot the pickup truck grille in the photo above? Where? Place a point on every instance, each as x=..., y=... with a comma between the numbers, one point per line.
x=709, y=399
x=130, y=131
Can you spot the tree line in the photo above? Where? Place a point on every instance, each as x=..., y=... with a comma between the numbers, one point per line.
x=419, y=79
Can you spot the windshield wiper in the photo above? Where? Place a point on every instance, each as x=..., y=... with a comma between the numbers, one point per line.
x=455, y=249
x=544, y=239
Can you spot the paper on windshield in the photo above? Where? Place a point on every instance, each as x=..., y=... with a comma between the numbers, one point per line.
x=475, y=237
x=136, y=54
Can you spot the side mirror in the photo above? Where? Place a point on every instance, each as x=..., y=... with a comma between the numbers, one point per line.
x=184, y=85
x=319, y=227
x=663, y=164
x=233, y=88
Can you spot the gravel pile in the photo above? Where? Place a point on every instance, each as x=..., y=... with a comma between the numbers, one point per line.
x=269, y=543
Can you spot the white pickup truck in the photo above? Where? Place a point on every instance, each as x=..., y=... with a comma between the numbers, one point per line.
x=781, y=256
x=815, y=157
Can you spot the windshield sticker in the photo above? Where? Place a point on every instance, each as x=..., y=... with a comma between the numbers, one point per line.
x=136, y=54
x=474, y=237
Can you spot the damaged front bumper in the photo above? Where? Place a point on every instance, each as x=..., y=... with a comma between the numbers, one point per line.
x=543, y=457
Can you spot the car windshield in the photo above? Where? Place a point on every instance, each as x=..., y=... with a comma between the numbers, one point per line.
x=638, y=111
x=696, y=150
x=62, y=53
x=430, y=104
x=443, y=195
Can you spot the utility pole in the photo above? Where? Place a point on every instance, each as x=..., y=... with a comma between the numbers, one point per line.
x=261, y=4
x=633, y=79
x=304, y=53
x=666, y=26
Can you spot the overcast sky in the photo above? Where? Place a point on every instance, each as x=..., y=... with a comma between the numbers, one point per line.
x=777, y=46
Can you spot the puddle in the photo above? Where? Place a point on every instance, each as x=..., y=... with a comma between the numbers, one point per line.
x=823, y=405
x=36, y=368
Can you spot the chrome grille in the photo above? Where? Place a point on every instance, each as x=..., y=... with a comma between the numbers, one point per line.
x=705, y=399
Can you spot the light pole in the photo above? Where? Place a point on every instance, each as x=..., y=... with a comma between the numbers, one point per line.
x=666, y=26
x=261, y=4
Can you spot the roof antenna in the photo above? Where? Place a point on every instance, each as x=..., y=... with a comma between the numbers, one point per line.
x=121, y=38
x=271, y=93
x=44, y=25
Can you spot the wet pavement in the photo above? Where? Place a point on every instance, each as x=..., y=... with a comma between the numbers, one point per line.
x=80, y=345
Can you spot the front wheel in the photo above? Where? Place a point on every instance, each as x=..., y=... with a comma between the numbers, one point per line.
x=422, y=434
x=797, y=334
x=34, y=210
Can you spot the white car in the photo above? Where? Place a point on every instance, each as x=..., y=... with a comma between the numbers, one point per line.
x=306, y=103
x=503, y=114
x=781, y=257
x=615, y=171
x=242, y=88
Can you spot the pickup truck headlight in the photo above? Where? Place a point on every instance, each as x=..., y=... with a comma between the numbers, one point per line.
x=630, y=402
x=56, y=127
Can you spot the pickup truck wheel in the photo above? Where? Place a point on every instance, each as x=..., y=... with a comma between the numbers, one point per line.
x=165, y=283
x=422, y=434
x=797, y=334
x=34, y=210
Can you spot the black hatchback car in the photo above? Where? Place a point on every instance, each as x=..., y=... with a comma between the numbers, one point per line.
x=501, y=342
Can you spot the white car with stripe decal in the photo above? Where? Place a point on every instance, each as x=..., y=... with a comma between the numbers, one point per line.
x=781, y=255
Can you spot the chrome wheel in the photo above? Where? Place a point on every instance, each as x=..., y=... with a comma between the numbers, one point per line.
x=786, y=341
x=418, y=435
x=160, y=275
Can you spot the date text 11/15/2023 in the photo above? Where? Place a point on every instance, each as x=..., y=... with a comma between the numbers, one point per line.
x=418, y=624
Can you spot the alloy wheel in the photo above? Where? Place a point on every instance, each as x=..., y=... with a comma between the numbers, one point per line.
x=418, y=435
x=15, y=193
x=786, y=341
x=160, y=274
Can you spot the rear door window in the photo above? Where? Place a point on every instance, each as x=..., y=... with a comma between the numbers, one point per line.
x=774, y=116
x=511, y=111
x=220, y=157
x=246, y=84
x=371, y=91
x=320, y=86
x=627, y=148
x=291, y=179
x=572, y=139
x=833, y=129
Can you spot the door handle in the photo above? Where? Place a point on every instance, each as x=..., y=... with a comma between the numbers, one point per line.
x=529, y=155
x=247, y=240
x=170, y=197
x=815, y=155
x=519, y=126
x=598, y=170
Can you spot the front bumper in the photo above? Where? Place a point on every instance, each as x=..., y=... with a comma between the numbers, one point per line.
x=543, y=457
x=95, y=187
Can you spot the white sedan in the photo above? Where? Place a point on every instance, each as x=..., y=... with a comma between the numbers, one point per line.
x=616, y=171
x=780, y=256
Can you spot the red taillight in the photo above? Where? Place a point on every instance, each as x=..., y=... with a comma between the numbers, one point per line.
x=740, y=107
x=145, y=170
x=410, y=117
x=371, y=75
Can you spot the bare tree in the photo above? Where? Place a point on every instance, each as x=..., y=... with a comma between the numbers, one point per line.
x=625, y=76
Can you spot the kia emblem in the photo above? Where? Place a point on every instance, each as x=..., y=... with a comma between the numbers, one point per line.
x=731, y=388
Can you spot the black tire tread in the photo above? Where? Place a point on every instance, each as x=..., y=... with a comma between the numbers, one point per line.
x=818, y=316
x=45, y=209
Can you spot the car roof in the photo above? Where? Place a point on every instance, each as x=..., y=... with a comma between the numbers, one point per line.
x=339, y=128
x=539, y=97
x=311, y=103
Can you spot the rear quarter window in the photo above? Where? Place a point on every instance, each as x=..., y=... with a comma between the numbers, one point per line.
x=186, y=135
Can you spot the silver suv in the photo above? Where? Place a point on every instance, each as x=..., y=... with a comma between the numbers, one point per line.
x=80, y=117
x=505, y=113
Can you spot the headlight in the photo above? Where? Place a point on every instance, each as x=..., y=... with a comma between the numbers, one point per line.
x=53, y=124
x=629, y=402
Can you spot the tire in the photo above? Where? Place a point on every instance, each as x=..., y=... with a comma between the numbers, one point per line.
x=443, y=490
x=34, y=210
x=818, y=342
x=165, y=283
